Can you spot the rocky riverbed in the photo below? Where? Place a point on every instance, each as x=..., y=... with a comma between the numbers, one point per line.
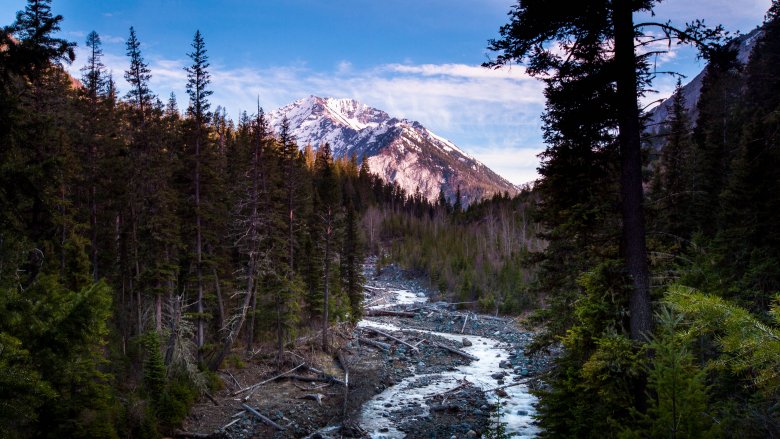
x=417, y=369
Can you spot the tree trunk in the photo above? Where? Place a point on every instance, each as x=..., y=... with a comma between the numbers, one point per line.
x=200, y=339
x=634, y=246
x=220, y=301
x=326, y=304
x=233, y=334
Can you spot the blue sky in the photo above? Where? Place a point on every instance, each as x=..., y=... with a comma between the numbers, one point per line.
x=417, y=59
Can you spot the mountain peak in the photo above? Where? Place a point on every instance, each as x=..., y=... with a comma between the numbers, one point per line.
x=398, y=150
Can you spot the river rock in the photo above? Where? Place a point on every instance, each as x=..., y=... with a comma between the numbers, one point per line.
x=471, y=433
x=466, y=342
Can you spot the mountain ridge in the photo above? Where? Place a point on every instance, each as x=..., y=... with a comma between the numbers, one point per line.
x=398, y=150
x=691, y=90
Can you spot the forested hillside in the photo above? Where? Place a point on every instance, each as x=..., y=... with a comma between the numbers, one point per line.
x=707, y=362
x=140, y=245
x=481, y=258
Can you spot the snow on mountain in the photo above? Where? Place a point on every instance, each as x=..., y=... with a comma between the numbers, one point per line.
x=398, y=150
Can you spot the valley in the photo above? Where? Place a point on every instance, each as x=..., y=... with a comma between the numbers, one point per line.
x=395, y=390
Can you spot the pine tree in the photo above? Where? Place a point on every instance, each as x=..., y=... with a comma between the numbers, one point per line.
x=251, y=228
x=94, y=81
x=351, y=263
x=198, y=80
x=138, y=76
x=37, y=48
x=532, y=27
x=290, y=287
x=678, y=394
x=329, y=215
x=457, y=207
x=675, y=185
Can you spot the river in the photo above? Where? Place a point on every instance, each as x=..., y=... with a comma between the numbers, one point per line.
x=516, y=406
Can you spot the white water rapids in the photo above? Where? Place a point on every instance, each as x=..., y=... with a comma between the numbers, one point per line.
x=517, y=408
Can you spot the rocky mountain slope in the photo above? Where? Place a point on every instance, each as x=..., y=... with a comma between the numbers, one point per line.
x=398, y=150
x=692, y=90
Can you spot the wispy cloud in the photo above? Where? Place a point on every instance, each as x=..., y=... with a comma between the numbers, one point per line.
x=492, y=114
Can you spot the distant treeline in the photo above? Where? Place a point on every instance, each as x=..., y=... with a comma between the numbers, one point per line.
x=479, y=257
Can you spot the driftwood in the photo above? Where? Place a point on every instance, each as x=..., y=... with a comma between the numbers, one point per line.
x=257, y=415
x=322, y=378
x=211, y=398
x=466, y=320
x=254, y=386
x=309, y=389
x=232, y=377
x=457, y=351
x=312, y=369
x=374, y=343
x=315, y=396
x=225, y=427
x=517, y=383
x=383, y=312
x=465, y=383
x=386, y=335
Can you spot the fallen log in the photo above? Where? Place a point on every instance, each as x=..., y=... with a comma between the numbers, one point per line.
x=463, y=384
x=232, y=377
x=257, y=415
x=211, y=398
x=315, y=396
x=376, y=344
x=387, y=313
x=254, y=386
x=457, y=351
x=386, y=335
x=466, y=320
x=225, y=427
x=309, y=389
x=321, y=379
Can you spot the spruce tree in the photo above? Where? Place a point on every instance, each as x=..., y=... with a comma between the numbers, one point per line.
x=329, y=216
x=533, y=26
x=37, y=48
x=675, y=187
x=198, y=79
x=138, y=76
x=351, y=262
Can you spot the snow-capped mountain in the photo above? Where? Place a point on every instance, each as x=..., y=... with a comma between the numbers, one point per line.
x=398, y=150
x=692, y=90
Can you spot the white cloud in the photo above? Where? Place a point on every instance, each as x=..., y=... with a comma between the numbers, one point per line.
x=460, y=71
x=492, y=114
x=734, y=15
x=344, y=67
x=112, y=39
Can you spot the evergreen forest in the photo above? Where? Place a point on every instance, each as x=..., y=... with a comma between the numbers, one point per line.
x=144, y=246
